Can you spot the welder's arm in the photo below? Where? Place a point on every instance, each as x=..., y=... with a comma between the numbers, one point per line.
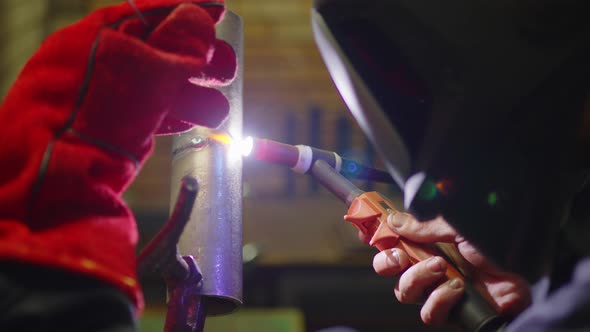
x=423, y=282
x=80, y=120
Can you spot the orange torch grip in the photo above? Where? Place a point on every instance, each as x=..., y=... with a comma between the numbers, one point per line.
x=368, y=212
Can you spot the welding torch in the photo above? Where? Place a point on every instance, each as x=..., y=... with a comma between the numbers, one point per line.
x=300, y=159
x=368, y=212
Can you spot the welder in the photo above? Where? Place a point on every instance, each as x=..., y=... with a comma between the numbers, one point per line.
x=77, y=126
x=481, y=112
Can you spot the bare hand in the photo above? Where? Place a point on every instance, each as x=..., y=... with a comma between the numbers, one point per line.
x=426, y=283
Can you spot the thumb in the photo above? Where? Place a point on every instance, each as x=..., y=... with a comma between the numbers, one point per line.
x=436, y=230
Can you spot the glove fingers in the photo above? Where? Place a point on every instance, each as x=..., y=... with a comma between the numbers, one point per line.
x=186, y=34
x=195, y=105
x=216, y=11
x=187, y=30
x=171, y=125
x=222, y=68
x=137, y=28
x=215, y=8
x=201, y=106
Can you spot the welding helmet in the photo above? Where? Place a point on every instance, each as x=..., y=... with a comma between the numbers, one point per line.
x=473, y=107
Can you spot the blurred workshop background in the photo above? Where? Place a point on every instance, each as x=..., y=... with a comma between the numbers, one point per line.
x=305, y=269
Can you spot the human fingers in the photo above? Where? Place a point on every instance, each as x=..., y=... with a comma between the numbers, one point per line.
x=509, y=292
x=390, y=262
x=417, y=281
x=474, y=256
x=364, y=238
x=436, y=230
x=436, y=309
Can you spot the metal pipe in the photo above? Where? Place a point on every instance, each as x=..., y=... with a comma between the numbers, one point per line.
x=214, y=233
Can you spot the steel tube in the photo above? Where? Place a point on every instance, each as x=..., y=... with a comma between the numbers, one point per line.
x=213, y=235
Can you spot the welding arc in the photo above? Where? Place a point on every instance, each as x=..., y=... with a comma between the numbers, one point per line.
x=301, y=158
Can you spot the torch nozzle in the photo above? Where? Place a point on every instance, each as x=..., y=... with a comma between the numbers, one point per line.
x=301, y=158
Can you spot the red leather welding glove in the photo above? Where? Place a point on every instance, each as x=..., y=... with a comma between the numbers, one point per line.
x=79, y=122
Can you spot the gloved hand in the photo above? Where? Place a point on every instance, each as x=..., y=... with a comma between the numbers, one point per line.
x=79, y=122
x=425, y=281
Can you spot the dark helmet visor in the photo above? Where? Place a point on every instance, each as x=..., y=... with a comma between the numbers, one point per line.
x=470, y=106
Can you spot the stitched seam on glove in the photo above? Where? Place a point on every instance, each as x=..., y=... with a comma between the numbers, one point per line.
x=159, y=11
x=104, y=145
x=39, y=179
x=152, y=12
x=81, y=97
x=48, y=150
